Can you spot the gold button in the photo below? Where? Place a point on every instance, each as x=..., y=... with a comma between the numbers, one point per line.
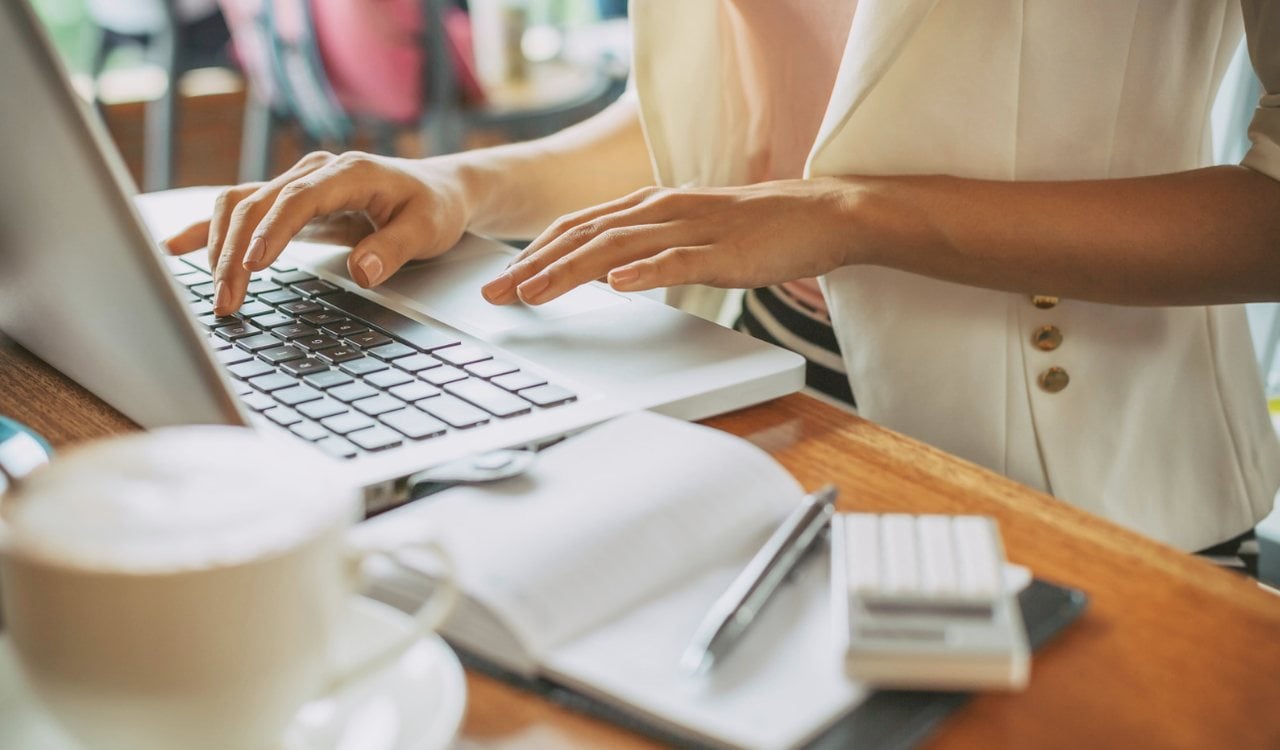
x=1054, y=379
x=1043, y=301
x=1047, y=338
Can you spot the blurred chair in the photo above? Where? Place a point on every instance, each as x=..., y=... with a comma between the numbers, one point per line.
x=178, y=36
x=333, y=65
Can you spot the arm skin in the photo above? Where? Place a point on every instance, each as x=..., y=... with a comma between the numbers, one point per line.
x=1208, y=236
x=395, y=210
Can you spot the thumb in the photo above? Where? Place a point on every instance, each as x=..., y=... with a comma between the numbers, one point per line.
x=382, y=253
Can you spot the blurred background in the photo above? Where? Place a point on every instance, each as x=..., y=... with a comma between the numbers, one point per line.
x=198, y=92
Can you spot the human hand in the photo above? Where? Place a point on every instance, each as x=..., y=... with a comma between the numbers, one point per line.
x=737, y=237
x=392, y=210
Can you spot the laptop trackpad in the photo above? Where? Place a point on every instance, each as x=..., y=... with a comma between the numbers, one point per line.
x=448, y=289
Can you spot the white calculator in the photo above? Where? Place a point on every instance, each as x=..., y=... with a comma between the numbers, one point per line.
x=920, y=602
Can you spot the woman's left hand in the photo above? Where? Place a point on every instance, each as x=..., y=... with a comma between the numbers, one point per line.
x=736, y=237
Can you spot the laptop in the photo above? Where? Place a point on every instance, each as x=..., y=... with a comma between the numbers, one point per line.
x=415, y=373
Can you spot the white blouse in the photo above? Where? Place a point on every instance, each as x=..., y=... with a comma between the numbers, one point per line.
x=1153, y=417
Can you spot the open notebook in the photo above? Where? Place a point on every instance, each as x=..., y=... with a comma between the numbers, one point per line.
x=594, y=570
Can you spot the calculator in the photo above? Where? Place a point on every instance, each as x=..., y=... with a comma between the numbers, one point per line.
x=921, y=602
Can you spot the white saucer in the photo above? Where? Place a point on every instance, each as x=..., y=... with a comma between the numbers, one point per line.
x=414, y=703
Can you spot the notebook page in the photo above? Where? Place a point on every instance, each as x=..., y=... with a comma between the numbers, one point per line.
x=603, y=522
x=780, y=686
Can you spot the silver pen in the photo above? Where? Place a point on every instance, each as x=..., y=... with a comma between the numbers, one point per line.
x=738, y=606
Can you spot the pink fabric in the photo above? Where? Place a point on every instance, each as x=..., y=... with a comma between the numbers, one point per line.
x=370, y=51
x=790, y=51
x=373, y=57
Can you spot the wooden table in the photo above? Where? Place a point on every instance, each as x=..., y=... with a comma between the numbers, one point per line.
x=1172, y=652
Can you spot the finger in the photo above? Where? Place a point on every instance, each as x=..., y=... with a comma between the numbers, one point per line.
x=382, y=253
x=503, y=289
x=605, y=252
x=236, y=254
x=222, y=208
x=570, y=220
x=333, y=189
x=699, y=264
x=193, y=237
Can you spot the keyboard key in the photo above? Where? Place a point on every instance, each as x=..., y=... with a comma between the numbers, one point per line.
x=216, y=343
x=453, y=411
x=489, y=397
x=294, y=331
x=338, y=354
x=388, y=378
x=195, y=277
x=309, y=431
x=516, y=380
x=282, y=415
x=272, y=320
x=327, y=379
x=442, y=375
x=325, y=407
x=282, y=354
x=197, y=260
x=368, y=339
x=375, y=438
x=273, y=381
x=322, y=318
x=415, y=391
x=262, y=286
x=237, y=330
x=300, y=307
x=548, y=396
x=360, y=366
x=394, y=350
x=258, y=343
x=349, y=422
x=414, y=424
x=204, y=290
x=241, y=389
x=337, y=447
x=253, y=309
x=280, y=297
x=305, y=366
x=281, y=266
x=462, y=355
x=490, y=368
x=233, y=356
x=257, y=401
x=317, y=342
x=379, y=404
x=213, y=321
x=291, y=277
x=345, y=327
x=352, y=392
x=315, y=288
x=417, y=363
x=410, y=331
x=201, y=307
x=299, y=394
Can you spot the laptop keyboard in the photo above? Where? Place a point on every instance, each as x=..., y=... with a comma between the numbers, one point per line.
x=351, y=376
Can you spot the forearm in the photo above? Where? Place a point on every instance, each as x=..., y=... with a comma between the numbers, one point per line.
x=516, y=190
x=1209, y=236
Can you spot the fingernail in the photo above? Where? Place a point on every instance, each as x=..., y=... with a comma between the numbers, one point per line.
x=622, y=277
x=257, y=249
x=530, y=290
x=499, y=288
x=372, y=267
x=221, y=298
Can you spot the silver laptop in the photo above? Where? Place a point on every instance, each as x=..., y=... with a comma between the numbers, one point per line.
x=413, y=374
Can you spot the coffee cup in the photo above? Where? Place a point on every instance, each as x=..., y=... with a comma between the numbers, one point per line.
x=182, y=588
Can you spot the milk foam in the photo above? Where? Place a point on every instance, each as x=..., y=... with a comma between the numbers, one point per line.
x=178, y=499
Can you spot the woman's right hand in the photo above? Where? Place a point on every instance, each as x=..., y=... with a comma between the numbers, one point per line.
x=392, y=210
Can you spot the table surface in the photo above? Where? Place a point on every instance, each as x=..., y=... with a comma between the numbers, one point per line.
x=1171, y=653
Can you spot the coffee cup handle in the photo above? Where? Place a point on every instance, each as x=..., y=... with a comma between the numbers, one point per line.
x=427, y=619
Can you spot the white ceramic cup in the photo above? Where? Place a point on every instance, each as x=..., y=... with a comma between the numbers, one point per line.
x=181, y=588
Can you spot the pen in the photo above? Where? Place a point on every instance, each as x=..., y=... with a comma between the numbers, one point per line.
x=738, y=606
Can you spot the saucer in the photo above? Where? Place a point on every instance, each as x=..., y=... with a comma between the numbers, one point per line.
x=415, y=702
